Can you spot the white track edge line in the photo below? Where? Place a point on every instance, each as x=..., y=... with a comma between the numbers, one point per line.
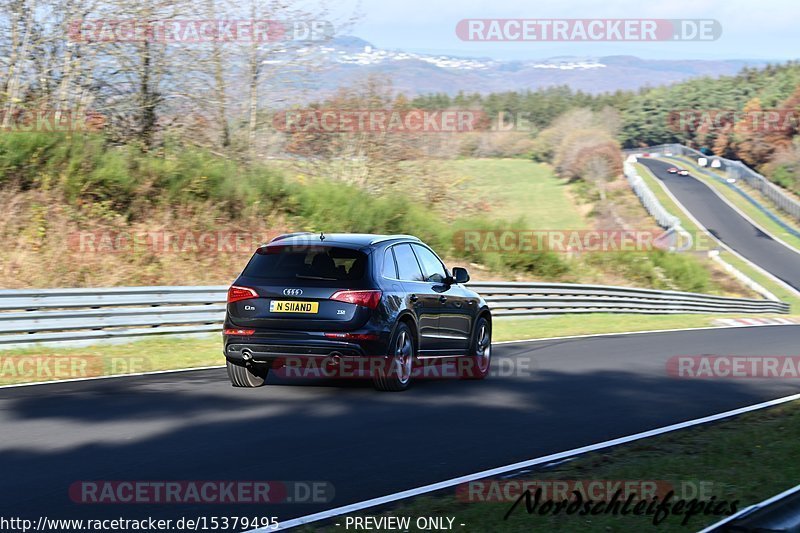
x=389, y=498
x=520, y=341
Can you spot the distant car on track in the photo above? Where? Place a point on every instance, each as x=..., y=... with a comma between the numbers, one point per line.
x=385, y=299
x=672, y=170
x=683, y=172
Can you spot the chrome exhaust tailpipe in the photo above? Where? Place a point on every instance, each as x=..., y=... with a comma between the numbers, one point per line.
x=247, y=356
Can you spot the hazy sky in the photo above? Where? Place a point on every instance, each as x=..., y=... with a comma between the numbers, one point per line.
x=763, y=29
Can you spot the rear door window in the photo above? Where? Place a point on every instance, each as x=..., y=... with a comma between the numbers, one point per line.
x=407, y=266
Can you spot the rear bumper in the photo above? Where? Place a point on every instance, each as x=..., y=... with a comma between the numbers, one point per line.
x=265, y=348
x=269, y=351
x=308, y=359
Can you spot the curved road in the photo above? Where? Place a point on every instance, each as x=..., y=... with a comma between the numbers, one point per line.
x=553, y=396
x=727, y=225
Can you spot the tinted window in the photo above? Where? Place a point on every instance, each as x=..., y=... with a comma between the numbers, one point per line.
x=431, y=266
x=389, y=270
x=407, y=265
x=307, y=262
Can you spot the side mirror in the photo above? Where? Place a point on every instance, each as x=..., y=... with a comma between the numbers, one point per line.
x=460, y=275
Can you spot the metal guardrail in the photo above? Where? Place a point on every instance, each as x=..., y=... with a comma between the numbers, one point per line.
x=664, y=218
x=734, y=169
x=57, y=315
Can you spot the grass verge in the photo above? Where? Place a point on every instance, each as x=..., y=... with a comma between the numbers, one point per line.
x=736, y=460
x=508, y=329
x=37, y=363
x=519, y=189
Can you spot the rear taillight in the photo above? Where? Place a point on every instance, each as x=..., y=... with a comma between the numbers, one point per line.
x=236, y=294
x=239, y=332
x=366, y=298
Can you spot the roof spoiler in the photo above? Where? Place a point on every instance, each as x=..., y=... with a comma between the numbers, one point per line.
x=289, y=235
x=393, y=237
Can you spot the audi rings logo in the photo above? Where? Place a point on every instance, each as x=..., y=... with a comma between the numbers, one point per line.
x=292, y=292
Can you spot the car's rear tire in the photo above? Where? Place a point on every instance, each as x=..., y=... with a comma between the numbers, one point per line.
x=395, y=376
x=479, y=359
x=246, y=376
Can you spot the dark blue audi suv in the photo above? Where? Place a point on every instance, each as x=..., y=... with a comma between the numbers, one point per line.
x=384, y=304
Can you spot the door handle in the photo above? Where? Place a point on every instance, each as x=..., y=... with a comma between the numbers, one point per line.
x=414, y=298
x=443, y=298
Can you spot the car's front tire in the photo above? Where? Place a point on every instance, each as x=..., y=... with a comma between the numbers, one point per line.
x=479, y=359
x=395, y=376
x=246, y=376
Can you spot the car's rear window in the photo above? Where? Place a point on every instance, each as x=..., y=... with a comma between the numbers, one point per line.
x=327, y=263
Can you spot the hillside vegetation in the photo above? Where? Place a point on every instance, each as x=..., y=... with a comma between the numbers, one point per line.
x=753, y=116
x=104, y=208
x=92, y=214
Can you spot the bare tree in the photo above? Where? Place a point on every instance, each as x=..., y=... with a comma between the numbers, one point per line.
x=21, y=29
x=72, y=55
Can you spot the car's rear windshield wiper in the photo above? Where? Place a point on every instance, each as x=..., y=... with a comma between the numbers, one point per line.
x=301, y=276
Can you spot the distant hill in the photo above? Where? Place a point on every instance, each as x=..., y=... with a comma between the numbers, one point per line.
x=347, y=59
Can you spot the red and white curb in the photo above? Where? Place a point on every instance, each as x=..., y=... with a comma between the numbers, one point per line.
x=756, y=321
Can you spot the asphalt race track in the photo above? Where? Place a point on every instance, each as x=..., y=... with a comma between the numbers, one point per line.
x=553, y=396
x=727, y=225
